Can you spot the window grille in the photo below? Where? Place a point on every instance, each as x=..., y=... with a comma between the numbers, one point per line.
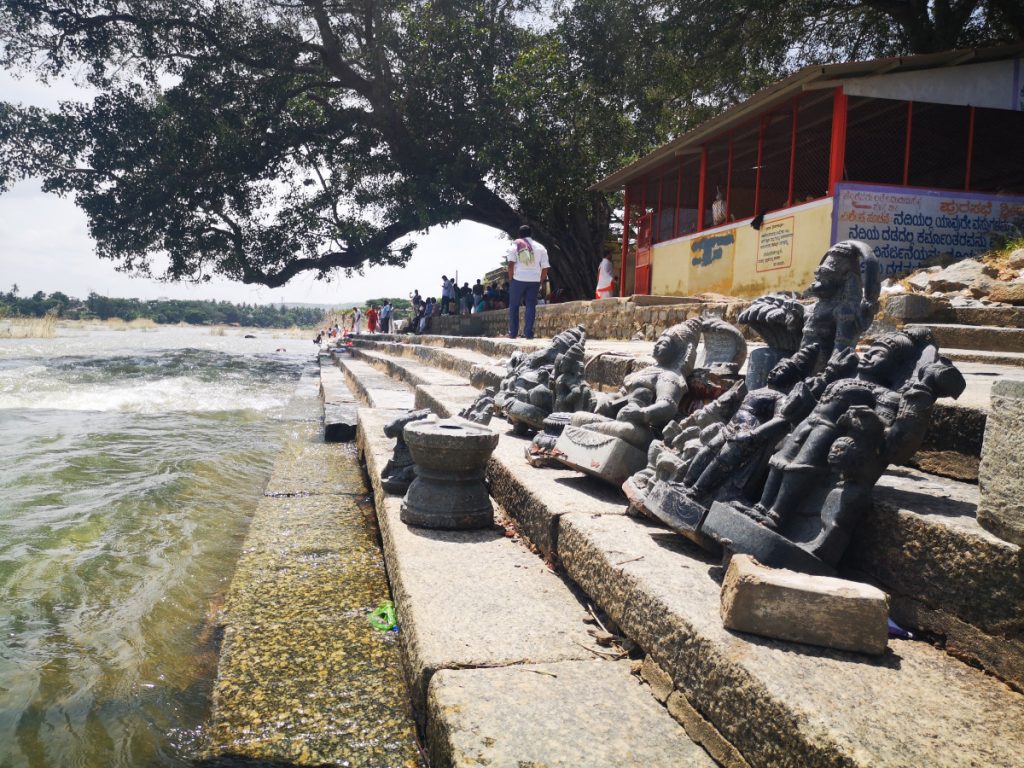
x=775, y=156
x=743, y=180
x=813, y=143
x=876, y=139
x=938, y=146
x=997, y=163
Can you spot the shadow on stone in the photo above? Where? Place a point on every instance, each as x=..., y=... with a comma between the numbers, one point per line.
x=890, y=660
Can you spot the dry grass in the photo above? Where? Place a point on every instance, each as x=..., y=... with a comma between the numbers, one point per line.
x=998, y=257
x=29, y=327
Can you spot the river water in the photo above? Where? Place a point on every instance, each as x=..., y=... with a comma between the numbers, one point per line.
x=130, y=463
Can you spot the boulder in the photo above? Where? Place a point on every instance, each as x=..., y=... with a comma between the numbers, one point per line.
x=1001, y=505
x=1008, y=293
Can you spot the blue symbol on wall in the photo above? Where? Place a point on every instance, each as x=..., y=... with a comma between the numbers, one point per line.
x=709, y=249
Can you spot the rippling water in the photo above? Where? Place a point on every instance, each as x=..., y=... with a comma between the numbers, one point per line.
x=129, y=467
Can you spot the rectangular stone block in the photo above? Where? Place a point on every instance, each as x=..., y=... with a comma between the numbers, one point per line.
x=817, y=610
x=340, y=423
x=909, y=307
x=603, y=456
x=1001, y=505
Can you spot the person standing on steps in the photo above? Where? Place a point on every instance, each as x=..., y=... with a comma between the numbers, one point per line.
x=527, y=270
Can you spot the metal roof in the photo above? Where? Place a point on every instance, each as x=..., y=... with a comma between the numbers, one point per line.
x=812, y=77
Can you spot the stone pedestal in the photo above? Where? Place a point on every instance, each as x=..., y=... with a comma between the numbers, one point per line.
x=609, y=458
x=1001, y=473
x=739, y=534
x=449, y=492
x=818, y=610
x=669, y=504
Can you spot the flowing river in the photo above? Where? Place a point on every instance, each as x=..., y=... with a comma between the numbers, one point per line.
x=130, y=464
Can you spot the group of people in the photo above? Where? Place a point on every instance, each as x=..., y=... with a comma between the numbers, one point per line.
x=468, y=299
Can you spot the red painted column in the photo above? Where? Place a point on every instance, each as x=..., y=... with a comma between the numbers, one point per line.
x=906, y=149
x=702, y=191
x=970, y=152
x=728, y=179
x=837, y=159
x=678, y=211
x=792, y=151
x=625, y=242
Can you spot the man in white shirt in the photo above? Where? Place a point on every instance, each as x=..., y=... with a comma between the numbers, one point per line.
x=527, y=269
x=605, y=279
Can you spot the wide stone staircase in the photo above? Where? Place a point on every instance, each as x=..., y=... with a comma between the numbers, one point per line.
x=949, y=697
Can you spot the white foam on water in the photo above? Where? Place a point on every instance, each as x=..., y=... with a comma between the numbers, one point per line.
x=36, y=387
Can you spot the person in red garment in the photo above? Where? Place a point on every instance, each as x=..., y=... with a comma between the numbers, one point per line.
x=371, y=318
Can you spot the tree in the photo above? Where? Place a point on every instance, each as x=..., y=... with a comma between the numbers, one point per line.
x=261, y=139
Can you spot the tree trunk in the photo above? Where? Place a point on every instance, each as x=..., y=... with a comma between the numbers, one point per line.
x=575, y=239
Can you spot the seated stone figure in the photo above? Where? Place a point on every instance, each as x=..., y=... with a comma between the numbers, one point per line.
x=612, y=443
x=846, y=285
x=525, y=395
x=820, y=479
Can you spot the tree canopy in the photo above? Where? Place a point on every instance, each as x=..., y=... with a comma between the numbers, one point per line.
x=257, y=139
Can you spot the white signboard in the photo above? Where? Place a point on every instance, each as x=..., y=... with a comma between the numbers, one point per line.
x=907, y=227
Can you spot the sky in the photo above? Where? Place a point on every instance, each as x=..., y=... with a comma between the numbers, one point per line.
x=45, y=246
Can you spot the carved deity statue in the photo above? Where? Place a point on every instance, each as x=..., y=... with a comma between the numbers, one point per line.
x=526, y=395
x=612, y=443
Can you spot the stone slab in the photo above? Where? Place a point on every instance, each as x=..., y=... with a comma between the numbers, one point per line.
x=376, y=389
x=446, y=401
x=989, y=338
x=468, y=598
x=339, y=423
x=582, y=713
x=779, y=703
x=1001, y=473
x=308, y=466
x=599, y=455
x=333, y=389
x=817, y=610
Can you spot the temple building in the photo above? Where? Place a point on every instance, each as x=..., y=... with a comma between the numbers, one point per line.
x=918, y=156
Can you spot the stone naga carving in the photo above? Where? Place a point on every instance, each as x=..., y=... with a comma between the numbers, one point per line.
x=612, y=443
x=571, y=394
x=853, y=422
x=400, y=471
x=480, y=410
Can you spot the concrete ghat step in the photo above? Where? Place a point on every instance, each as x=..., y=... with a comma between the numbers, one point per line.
x=412, y=372
x=454, y=359
x=1015, y=359
x=377, y=389
x=989, y=338
x=921, y=542
x=498, y=655
x=783, y=704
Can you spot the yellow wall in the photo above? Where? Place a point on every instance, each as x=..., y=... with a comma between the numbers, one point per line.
x=738, y=260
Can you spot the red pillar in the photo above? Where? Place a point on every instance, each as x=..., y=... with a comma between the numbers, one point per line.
x=837, y=160
x=625, y=243
x=906, y=148
x=702, y=192
x=970, y=152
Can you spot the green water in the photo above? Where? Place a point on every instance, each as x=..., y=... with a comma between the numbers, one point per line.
x=130, y=466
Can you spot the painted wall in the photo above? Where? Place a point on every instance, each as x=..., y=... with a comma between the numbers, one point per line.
x=908, y=226
x=737, y=260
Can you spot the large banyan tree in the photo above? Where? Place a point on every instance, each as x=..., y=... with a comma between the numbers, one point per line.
x=257, y=139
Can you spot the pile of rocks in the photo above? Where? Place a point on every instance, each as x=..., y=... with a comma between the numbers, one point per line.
x=969, y=282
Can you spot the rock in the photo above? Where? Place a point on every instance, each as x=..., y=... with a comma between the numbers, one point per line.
x=919, y=280
x=1016, y=259
x=603, y=456
x=967, y=274
x=909, y=307
x=817, y=610
x=1008, y=293
x=1000, y=478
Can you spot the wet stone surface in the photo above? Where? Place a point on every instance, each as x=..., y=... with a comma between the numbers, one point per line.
x=304, y=678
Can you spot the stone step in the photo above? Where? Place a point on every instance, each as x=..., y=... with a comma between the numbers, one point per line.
x=503, y=669
x=988, y=338
x=778, y=703
x=1013, y=359
x=377, y=389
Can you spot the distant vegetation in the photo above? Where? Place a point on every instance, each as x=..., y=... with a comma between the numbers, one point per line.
x=96, y=307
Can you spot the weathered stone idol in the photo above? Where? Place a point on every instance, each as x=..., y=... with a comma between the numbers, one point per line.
x=838, y=430
x=526, y=395
x=480, y=410
x=570, y=394
x=399, y=472
x=846, y=285
x=448, y=492
x=612, y=443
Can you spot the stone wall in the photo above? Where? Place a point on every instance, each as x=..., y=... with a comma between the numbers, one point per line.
x=618, y=318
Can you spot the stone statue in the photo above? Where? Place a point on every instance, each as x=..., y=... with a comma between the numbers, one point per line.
x=612, y=443
x=532, y=398
x=571, y=393
x=525, y=394
x=846, y=285
x=820, y=479
x=399, y=472
x=480, y=410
